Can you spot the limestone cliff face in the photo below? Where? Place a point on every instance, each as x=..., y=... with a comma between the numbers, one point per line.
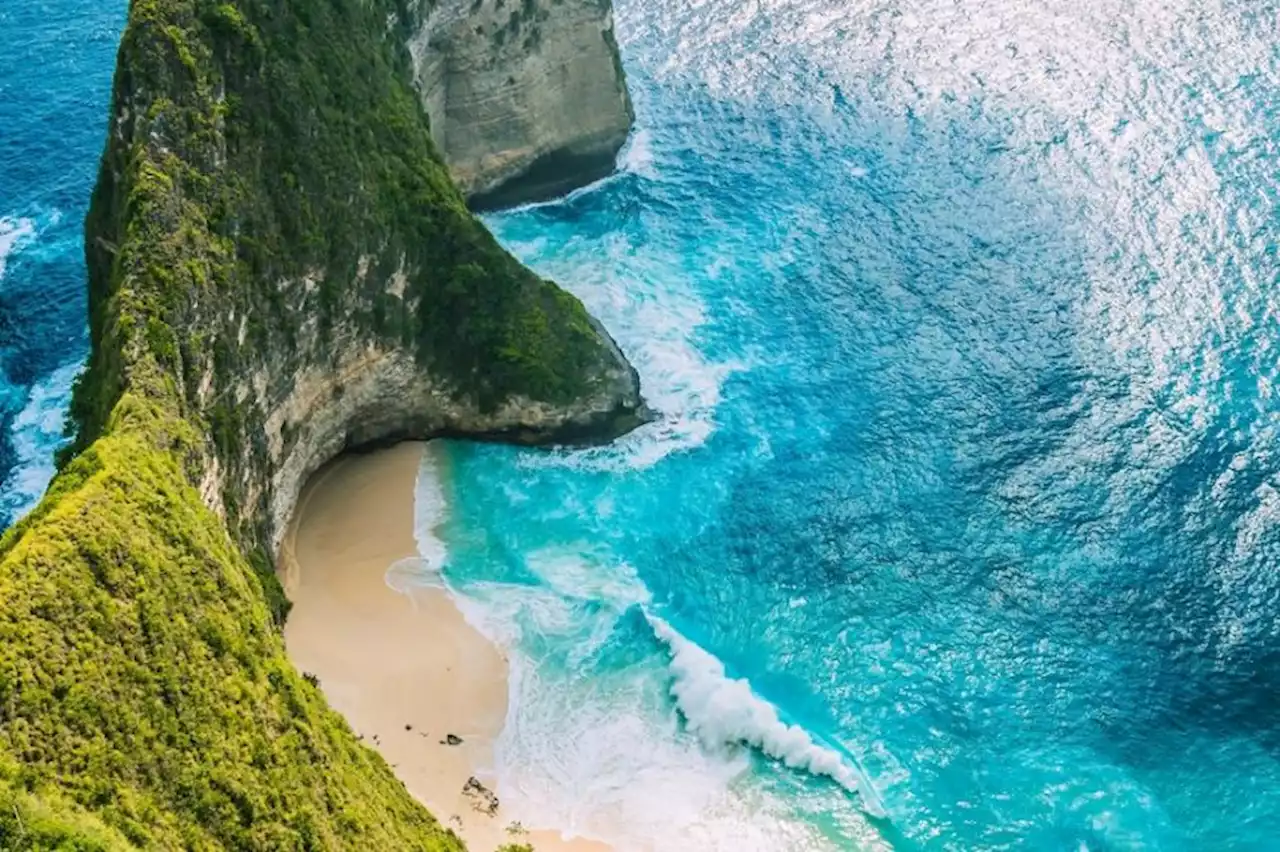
x=344, y=390
x=280, y=268
x=527, y=98
x=316, y=282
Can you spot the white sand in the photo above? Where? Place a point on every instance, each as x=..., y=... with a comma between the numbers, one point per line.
x=404, y=669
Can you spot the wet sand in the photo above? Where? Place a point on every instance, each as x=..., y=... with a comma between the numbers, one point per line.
x=405, y=669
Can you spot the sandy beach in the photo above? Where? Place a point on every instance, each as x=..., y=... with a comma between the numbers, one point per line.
x=405, y=669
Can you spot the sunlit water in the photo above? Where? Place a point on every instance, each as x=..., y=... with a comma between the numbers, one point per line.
x=959, y=530
x=56, y=59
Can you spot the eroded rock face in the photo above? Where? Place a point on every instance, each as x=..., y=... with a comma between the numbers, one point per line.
x=372, y=393
x=527, y=98
x=277, y=252
x=280, y=268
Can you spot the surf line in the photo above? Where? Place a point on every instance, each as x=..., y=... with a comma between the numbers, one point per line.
x=722, y=710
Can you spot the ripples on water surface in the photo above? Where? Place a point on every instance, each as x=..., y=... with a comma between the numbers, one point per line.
x=961, y=316
x=56, y=58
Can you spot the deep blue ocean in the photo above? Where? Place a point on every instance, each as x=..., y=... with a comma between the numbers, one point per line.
x=56, y=61
x=961, y=527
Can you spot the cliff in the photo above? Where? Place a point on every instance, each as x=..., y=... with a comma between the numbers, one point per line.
x=527, y=98
x=280, y=268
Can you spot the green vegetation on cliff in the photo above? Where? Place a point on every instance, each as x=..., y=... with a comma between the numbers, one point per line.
x=265, y=141
x=270, y=189
x=268, y=171
x=31, y=822
x=145, y=697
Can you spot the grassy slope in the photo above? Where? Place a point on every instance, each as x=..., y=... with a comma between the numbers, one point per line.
x=145, y=697
x=33, y=823
x=142, y=678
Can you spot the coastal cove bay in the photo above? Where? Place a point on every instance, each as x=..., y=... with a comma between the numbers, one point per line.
x=962, y=320
x=958, y=529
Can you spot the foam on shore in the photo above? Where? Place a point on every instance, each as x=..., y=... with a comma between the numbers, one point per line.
x=372, y=621
x=724, y=711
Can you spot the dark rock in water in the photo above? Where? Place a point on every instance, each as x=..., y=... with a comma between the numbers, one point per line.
x=482, y=798
x=451, y=739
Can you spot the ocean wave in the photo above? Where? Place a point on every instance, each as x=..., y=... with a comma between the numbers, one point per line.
x=576, y=597
x=37, y=433
x=634, y=158
x=637, y=155
x=723, y=711
x=430, y=512
x=591, y=744
x=578, y=573
x=14, y=232
x=430, y=508
x=18, y=233
x=650, y=305
x=657, y=330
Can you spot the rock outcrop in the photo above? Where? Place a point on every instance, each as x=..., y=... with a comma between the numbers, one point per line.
x=527, y=98
x=314, y=281
x=280, y=269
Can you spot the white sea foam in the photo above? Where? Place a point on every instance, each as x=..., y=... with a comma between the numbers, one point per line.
x=655, y=316
x=36, y=433
x=637, y=155
x=430, y=509
x=602, y=756
x=430, y=512
x=578, y=573
x=13, y=233
x=597, y=750
x=649, y=303
x=723, y=711
x=37, y=430
x=600, y=753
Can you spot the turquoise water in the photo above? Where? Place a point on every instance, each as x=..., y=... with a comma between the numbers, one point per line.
x=959, y=530
x=56, y=59
x=963, y=320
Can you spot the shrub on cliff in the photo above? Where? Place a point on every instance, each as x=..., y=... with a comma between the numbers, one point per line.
x=143, y=682
x=268, y=168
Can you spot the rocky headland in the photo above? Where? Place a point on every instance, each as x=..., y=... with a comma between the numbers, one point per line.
x=280, y=269
x=527, y=98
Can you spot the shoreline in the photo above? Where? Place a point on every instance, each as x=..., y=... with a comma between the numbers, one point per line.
x=412, y=678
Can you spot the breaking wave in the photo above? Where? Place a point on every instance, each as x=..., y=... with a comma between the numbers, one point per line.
x=724, y=711
x=36, y=434
x=13, y=233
